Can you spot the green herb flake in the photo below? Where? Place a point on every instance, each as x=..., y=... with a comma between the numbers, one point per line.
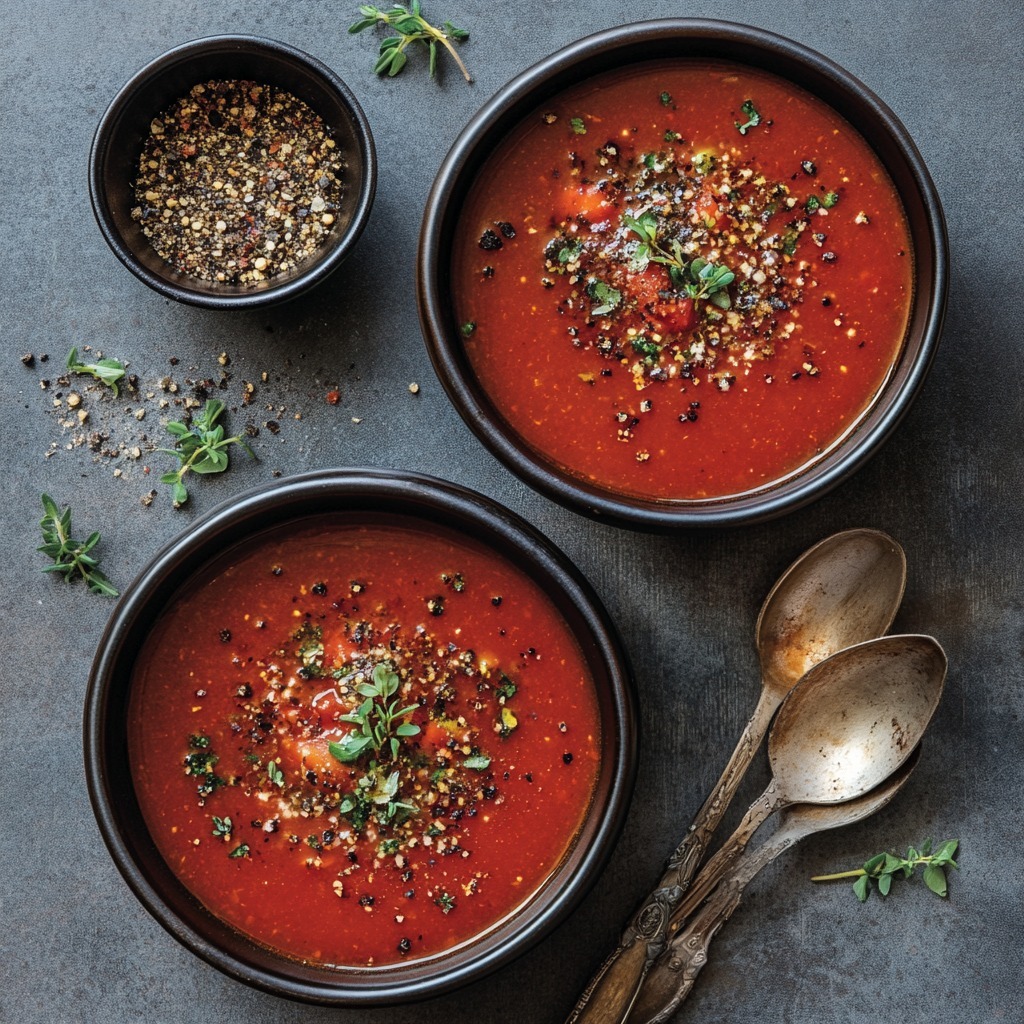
x=240, y=851
x=578, y=126
x=570, y=253
x=644, y=346
x=752, y=116
x=829, y=199
x=445, y=902
x=274, y=774
x=478, y=762
x=221, y=826
x=468, y=328
x=605, y=297
x=506, y=689
x=666, y=99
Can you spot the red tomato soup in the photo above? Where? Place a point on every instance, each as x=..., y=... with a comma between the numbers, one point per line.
x=363, y=744
x=683, y=280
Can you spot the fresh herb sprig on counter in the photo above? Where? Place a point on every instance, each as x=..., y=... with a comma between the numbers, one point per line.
x=199, y=448
x=108, y=371
x=697, y=279
x=412, y=28
x=70, y=557
x=883, y=867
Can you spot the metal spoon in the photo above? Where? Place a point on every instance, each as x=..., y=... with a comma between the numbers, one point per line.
x=821, y=748
x=672, y=977
x=845, y=589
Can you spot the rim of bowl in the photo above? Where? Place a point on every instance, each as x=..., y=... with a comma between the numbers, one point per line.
x=333, y=252
x=427, y=499
x=643, y=42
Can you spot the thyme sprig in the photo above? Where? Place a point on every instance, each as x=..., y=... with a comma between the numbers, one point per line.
x=108, y=371
x=883, y=867
x=199, y=448
x=71, y=557
x=379, y=719
x=412, y=28
x=697, y=278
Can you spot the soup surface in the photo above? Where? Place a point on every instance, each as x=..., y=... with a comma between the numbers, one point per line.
x=362, y=744
x=682, y=280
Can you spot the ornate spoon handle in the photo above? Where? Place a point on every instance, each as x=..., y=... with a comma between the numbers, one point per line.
x=671, y=979
x=732, y=850
x=606, y=1000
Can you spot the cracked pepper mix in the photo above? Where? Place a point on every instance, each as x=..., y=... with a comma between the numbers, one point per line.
x=238, y=183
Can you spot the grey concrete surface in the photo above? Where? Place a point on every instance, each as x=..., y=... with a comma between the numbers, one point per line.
x=74, y=943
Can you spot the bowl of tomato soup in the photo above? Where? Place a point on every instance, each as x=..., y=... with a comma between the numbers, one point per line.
x=360, y=737
x=683, y=273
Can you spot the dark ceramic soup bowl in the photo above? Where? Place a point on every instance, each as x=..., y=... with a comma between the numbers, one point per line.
x=367, y=495
x=637, y=45
x=113, y=162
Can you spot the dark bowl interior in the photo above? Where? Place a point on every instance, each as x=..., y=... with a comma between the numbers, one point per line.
x=368, y=494
x=649, y=41
x=113, y=164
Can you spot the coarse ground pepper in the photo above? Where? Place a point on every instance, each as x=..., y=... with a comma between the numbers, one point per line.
x=238, y=182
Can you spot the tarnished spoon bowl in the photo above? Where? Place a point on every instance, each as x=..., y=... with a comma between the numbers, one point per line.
x=855, y=718
x=845, y=728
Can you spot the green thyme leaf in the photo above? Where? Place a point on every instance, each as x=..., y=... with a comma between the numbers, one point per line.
x=478, y=762
x=221, y=826
x=606, y=297
x=109, y=371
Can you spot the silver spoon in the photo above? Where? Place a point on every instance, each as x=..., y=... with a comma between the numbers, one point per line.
x=845, y=589
x=672, y=977
x=821, y=748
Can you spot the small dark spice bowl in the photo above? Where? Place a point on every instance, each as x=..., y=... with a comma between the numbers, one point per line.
x=132, y=120
x=597, y=354
x=143, y=800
